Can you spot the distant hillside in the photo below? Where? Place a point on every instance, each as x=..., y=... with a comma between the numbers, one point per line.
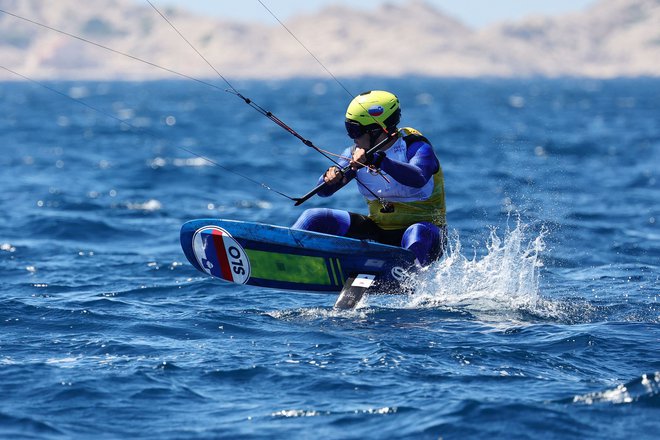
x=612, y=38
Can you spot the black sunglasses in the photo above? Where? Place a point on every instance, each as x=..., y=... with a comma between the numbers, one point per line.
x=354, y=129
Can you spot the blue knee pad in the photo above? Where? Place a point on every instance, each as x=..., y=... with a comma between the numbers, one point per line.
x=327, y=221
x=425, y=241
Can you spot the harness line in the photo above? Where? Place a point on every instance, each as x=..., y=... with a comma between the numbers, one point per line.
x=231, y=90
x=267, y=113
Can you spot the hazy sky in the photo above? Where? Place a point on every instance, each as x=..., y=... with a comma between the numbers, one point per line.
x=475, y=13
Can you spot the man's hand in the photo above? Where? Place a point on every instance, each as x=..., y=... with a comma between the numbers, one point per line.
x=359, y=158
x=333, y=176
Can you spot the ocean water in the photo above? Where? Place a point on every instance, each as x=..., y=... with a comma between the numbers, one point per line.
x=543, y=321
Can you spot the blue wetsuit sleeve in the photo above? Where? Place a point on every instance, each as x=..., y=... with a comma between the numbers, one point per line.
x=422, y=164
x=329, y=190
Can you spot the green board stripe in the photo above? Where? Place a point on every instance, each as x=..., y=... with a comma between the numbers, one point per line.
x=331, y=271
x=288, y=267
x=335, y=271
x=340, y=276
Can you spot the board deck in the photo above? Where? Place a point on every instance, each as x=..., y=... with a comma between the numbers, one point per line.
x=291, y=259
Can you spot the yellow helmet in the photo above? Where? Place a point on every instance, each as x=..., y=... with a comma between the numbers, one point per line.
x=373, y=110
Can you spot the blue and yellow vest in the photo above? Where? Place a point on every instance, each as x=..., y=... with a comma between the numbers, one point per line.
x=410, y=205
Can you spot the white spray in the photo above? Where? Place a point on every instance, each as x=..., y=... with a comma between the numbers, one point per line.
x=506, y=278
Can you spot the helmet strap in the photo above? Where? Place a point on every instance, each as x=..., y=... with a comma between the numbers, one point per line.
x=375, y=134
x=373, y=137
x=373, y=140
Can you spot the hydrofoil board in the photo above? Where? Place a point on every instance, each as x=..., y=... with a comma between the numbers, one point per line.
x=283, y=258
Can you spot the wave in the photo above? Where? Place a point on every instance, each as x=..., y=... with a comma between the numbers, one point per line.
x=71, y=228
x=642, y=390
x=19, y=427
x=294, y=413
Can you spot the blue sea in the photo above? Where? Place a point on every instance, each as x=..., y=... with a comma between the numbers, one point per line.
x=542, y=321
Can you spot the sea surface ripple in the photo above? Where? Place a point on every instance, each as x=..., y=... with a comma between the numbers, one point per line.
x=543, y=321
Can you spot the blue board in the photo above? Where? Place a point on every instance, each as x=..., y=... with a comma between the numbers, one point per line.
x=273, y=256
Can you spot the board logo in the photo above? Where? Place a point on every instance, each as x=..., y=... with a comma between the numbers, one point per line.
x=219, y=255
x=399, y=273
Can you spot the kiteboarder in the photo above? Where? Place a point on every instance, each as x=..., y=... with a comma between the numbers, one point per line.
x=401, y=180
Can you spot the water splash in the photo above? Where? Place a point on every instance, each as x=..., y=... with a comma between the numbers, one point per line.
x=322, y=313
x=505, y=278
x=148, y=206
x=643, y=389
